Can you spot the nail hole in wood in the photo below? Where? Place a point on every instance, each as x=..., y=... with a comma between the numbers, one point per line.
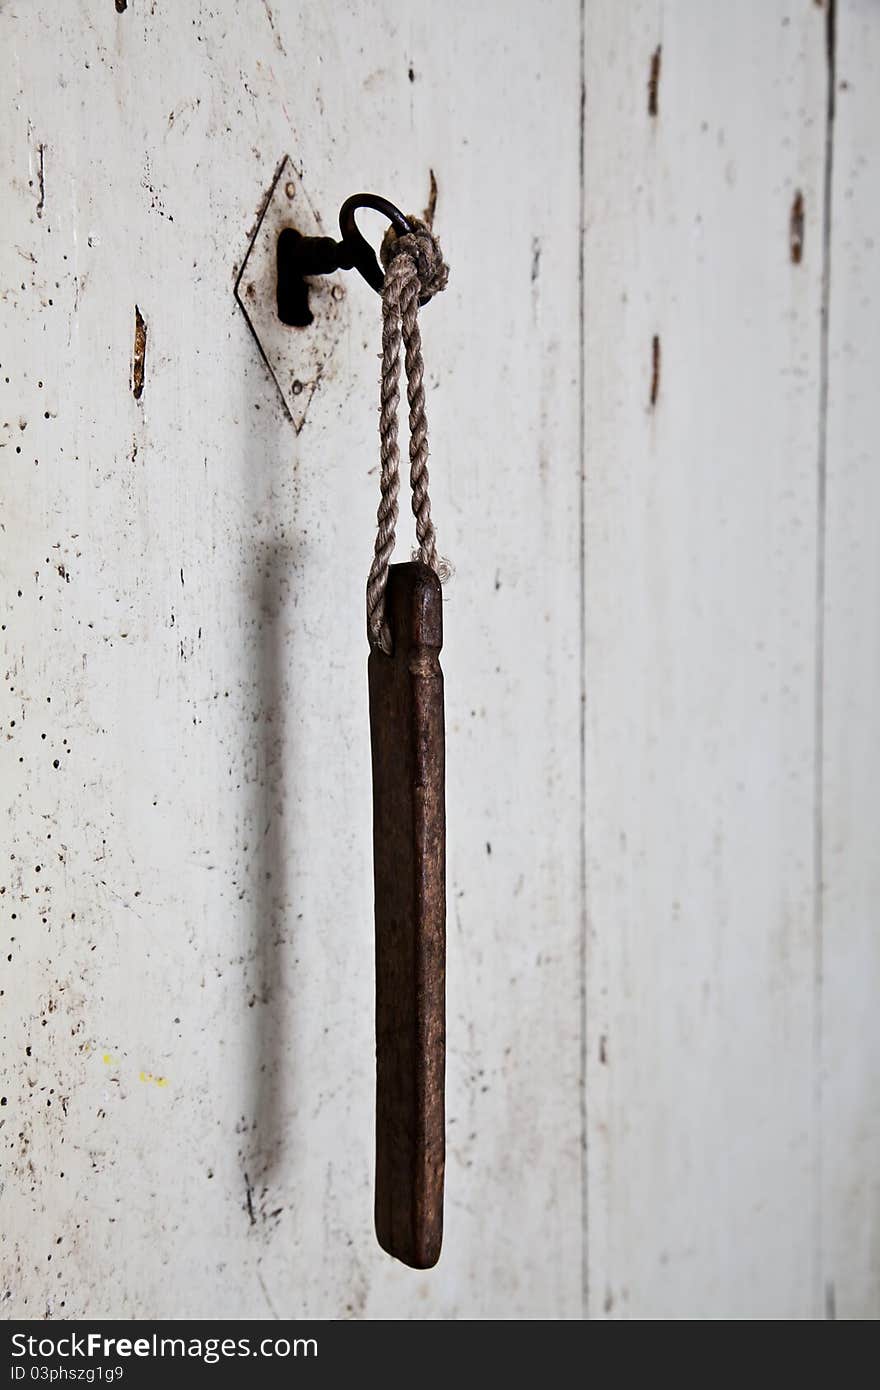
x=654, y=80
x=796, y=229
x=655, y=369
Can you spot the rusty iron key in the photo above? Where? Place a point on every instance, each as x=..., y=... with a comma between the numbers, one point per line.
x=409, y=866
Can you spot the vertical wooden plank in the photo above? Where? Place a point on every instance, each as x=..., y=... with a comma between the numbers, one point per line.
x=188, y=1011
x=705, y=143
x=850, y=1048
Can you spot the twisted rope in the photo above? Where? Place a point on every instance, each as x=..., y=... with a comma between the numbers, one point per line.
x=414, y=271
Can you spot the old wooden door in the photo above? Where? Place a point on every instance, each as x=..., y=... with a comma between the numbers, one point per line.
x=654, y=471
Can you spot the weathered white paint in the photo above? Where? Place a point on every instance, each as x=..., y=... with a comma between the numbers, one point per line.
x=207, y=888
x=704, y=1117
x=850, y=965
x=187, y=1012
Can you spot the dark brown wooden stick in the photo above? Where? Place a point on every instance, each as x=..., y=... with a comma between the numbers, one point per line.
x=409, y=863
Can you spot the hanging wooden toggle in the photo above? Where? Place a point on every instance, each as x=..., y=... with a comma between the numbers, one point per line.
x=405, y=630
x=409, y=856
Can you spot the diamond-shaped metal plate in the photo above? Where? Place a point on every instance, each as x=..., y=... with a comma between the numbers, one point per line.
x=296, y=357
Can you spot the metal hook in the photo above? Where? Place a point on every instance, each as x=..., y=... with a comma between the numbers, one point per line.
x=355, y=247
x=300, y=257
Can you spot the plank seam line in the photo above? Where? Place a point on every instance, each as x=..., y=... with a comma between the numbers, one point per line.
x=820, y=1293
x=582, y=661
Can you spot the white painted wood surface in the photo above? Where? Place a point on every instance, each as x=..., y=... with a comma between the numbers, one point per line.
x=732, y=1064
x=850, y=967
x=700, y=632
x=661, y=660
x=207, y=890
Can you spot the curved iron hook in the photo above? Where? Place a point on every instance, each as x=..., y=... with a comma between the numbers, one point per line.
x=358, y=253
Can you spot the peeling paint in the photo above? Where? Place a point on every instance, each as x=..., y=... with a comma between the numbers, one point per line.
x=796, y=229
x=655, y=369
x=275, y=34
x=431, y=206
x=654, y=81
x=41, y=178
x=139, y=357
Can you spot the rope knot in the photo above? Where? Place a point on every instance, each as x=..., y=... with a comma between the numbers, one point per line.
x=422, y=249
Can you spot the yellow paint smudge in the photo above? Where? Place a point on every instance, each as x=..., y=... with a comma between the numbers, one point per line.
x=147, y=1077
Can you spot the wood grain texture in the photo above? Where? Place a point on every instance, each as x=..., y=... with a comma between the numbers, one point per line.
x=849, y=1040
x=409, y=867
x=701, y=410
x=207, y=888
x=187, y=959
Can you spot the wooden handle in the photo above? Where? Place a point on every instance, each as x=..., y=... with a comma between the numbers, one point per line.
x=409, y=865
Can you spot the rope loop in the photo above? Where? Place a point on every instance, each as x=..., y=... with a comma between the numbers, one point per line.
x=414, y=272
